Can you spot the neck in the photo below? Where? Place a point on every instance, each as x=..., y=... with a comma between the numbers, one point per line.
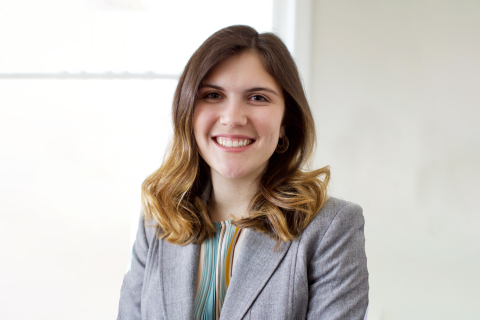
x=230, y=198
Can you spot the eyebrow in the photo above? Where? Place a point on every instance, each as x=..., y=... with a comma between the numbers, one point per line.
x=206, y=85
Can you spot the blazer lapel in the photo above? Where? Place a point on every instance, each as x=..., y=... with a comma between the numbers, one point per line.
x=178, y=274
x=256, y=263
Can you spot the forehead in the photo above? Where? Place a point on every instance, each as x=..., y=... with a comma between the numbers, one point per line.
x=240, y=72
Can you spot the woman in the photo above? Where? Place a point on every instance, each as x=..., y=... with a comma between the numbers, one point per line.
x=232, y=227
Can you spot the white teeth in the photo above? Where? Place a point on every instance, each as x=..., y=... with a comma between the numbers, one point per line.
x=233, y=143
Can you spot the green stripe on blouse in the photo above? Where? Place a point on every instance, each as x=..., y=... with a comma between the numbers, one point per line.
x=216, y=271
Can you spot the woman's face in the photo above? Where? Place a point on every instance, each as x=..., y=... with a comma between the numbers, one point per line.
x=238, y=117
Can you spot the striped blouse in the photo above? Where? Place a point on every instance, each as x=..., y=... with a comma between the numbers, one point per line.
x=218, y=256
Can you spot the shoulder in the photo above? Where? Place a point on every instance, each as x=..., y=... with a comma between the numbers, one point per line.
x=333, y=259
x=336, y=209
x=335, y=218
x=150, y=228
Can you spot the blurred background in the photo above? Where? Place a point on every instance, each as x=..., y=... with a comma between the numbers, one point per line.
x=85, y=96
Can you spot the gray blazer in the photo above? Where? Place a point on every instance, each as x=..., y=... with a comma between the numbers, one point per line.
x=320, y=275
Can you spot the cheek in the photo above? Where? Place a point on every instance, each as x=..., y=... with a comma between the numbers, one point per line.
x=270, y=125
x=203, y=120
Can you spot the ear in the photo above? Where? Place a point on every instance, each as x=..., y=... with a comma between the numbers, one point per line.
x=282, y=131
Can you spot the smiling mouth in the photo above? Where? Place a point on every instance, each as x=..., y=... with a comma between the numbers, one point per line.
x=233, y=143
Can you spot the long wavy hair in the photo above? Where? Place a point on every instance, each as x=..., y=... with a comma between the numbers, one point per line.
x=288, y=197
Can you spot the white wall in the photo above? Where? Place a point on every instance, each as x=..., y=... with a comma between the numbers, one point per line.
x=396, y=97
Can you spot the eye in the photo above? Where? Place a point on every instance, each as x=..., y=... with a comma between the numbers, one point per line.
x=212, y=95
x=258, y=97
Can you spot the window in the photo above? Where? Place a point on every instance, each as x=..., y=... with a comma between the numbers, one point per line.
x=85, y=98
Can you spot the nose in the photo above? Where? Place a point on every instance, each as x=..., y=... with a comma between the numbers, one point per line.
x=234, y=113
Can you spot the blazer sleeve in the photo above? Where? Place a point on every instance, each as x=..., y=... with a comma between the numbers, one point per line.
x=338, y=276
x=131, y=292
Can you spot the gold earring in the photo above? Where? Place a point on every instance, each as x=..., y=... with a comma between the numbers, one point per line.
x=282, y=145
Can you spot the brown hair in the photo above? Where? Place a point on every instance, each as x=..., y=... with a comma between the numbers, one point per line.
x=288, y=198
